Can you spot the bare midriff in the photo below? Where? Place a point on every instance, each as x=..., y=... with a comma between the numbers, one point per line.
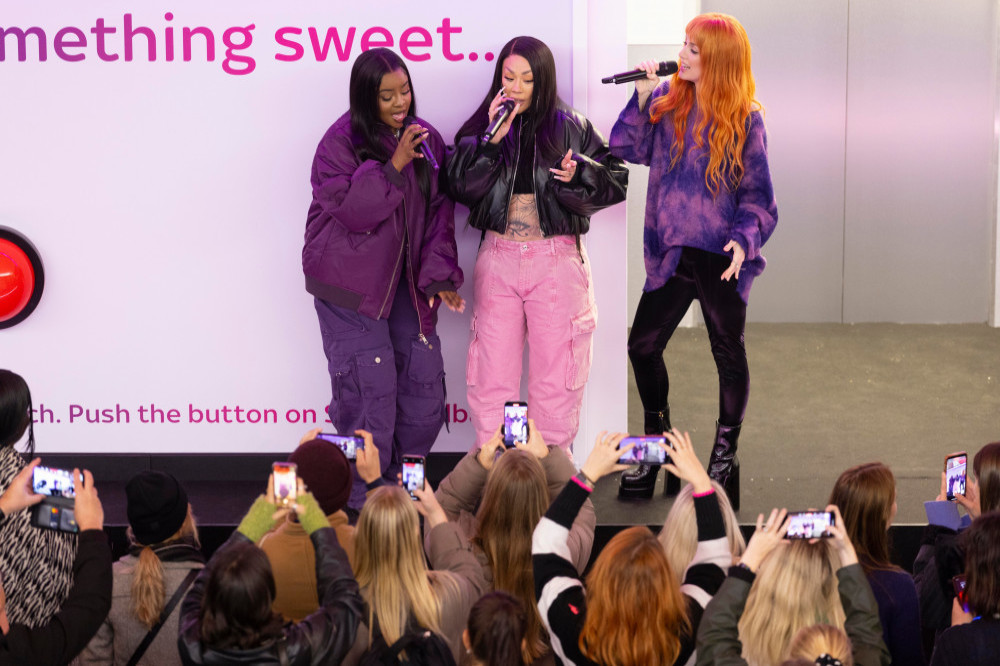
x=522, y=220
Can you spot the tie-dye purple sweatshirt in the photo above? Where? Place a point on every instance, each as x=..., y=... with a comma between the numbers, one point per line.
x=680, y=209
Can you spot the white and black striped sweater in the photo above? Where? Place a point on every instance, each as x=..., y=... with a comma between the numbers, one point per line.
x=560, y=593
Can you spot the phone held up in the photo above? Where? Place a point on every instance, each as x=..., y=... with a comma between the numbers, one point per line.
x=958, y=582
x=809, y=525
x=285, y=483
x=55, y=512
x=413, y=474
x=349, y=444
x=515, y=423
x=648, y=449
x=954, y=474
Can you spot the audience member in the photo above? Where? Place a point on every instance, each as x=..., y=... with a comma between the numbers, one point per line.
x=60, y=639
x=866, y=497
x=324, y=468
x=164, y=557
x=227, y=616
x=821, y=645
x=633, y=612
x=940, y=557
x=679, y=536
x=974, y=637
x=512, y=492
x=781, y=586
x=402, y=595
x=37, y=564
x=495, y=635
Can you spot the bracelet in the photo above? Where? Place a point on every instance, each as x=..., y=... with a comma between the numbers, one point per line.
x=586, y=479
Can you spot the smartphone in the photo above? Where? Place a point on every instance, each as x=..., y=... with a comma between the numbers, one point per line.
x=959, y=584
x=52, y=482
x=648, y=449
x=349, y=444
x=52, y=515
x=413, y=474
x=285, y=483
x=515, y=423
x=954, y=474
x=809, y=524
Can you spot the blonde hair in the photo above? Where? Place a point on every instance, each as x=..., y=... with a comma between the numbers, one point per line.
x=514, y=500
x=796, y=587
x=813, y=641
x=636, y=613
x=148, y=592
x=679, y=536
x=725, y=97
x=391, y=570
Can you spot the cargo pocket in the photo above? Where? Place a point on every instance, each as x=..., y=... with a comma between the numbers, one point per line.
x=581, y=349
x=472, y=361
x=421, y=395
x=375, y=370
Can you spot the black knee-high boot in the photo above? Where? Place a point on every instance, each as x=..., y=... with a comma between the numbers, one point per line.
x=640, y=482
x=724, y=465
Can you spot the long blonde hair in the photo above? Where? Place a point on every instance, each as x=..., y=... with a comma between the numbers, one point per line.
x=725, y=97
x=679, y=536
x=795, y=587
x=148, y=592
x=820, y=639
x=636, y=613
x=391, y=570
x=514, y=500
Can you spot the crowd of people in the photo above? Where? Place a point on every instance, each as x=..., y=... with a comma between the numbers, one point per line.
x=496, y=574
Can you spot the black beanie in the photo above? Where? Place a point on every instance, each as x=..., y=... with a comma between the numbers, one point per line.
x=157, y=506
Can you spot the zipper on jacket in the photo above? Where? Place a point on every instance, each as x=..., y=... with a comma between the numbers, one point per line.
x=411, y=285
x=396, y=267
x=534, y=193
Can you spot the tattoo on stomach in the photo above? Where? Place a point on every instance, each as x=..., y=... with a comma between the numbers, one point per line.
x=522, y=219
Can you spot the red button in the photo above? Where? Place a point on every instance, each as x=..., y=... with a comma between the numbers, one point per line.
x=17, y=280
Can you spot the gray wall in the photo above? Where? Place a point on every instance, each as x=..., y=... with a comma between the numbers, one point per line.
x=880, y=117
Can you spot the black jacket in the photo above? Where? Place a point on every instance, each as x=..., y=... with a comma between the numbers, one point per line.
x=79, y=617
x=482, y=178
x=326, y=636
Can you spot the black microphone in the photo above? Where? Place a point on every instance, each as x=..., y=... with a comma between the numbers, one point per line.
x=422, y=148
x=505, y=109
x=666, y=68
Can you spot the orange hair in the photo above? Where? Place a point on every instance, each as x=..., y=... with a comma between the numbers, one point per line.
x=635, y=610
x=725, y=97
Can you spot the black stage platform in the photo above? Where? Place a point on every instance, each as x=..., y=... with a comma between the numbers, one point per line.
x=222, y=487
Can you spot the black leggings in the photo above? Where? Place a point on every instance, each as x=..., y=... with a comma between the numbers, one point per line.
x=697, y=276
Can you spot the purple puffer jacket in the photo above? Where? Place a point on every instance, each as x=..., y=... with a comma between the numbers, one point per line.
x=362, y=216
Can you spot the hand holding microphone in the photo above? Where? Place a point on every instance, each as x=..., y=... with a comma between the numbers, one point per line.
x=422, y=148
x=502, y=112
x=407, y=149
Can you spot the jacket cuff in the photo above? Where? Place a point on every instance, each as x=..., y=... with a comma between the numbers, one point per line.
x=743, y=573
x=377, y=483
x=392, y=175
x=491, y=150
x=709, y=517
x=435, y=287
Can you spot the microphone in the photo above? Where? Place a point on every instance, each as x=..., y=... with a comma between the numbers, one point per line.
x=506, y=108
x=422, y=148
x=666, y=68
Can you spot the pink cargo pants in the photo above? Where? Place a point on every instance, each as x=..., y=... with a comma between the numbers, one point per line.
x=539, y=292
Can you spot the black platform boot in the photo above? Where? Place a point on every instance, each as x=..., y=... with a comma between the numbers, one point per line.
x=640, y=482
x=724, y=465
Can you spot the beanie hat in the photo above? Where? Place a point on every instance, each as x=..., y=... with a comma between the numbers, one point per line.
x=156, y=506
x=324, y=469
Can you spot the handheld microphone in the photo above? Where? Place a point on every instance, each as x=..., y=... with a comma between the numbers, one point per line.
x=506, y=108
x=422, y=148
x=666, y=68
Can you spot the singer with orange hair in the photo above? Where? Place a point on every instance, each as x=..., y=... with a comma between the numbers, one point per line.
x=709, y=209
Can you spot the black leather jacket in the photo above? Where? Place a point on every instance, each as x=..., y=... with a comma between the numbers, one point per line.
x=325, y=637
x=482, y=178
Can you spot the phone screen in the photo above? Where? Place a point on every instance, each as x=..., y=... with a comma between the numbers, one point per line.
x=285, y=485
x=954, y=475
x=959, y=583
x=413, y=474
x=515, y=424
x=349, y=444
x=52, y=482
x=647, y=450
x=809, y=525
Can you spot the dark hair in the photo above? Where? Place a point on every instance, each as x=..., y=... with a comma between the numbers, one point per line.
x=864, y=494
x=236, y=610
x=15, y=411
x=497, y=623
x=366, y=79
x=545, y=102
x=986, y=465
x=982, y=564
